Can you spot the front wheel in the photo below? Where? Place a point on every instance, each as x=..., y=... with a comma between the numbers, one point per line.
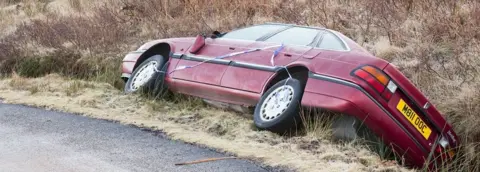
x=148, y=77
x=278, y=109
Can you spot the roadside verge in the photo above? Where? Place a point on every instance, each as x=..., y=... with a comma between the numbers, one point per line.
x=191, y=122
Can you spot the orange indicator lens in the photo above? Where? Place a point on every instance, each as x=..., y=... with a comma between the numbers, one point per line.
x=377, y=74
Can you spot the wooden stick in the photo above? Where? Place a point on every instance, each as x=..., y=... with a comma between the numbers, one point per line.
x=205, y=160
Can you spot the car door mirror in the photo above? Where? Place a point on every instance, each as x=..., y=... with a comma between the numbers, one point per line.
x=215, y=34
x=198, y=44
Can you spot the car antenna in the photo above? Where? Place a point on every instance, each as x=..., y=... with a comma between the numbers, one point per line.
x=205, y=23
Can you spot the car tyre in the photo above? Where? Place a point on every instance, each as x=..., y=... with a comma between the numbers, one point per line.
x=278, y=109
x=148, y=77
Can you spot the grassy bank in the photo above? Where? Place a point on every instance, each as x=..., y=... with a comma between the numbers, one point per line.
x=434, y=42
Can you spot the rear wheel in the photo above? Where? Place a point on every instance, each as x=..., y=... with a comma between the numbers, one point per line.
x=148, y=77
x=278, y=109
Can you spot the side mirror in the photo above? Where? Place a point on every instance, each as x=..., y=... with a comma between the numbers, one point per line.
x=216, y=34
x=198, y=44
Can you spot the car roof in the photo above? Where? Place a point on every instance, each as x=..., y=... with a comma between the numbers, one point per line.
x=294, y=25
x=351, y=44
x=348, y=42
x=336, y=33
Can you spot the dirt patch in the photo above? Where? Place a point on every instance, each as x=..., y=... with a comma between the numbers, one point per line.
x=215, y=128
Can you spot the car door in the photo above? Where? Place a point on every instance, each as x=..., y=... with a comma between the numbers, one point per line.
x=250, y=72
x=204, y=80
x=211, y=72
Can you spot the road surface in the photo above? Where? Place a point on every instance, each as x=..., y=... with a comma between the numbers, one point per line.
x=38, y=140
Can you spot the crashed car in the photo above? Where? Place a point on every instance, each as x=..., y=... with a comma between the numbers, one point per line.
x=278, y=68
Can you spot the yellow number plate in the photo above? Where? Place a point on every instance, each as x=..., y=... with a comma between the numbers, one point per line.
x=414, y=119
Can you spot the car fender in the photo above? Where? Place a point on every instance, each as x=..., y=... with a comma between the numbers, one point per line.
x=134, y=58
x=151, y=47
x=150, y=44
x=314, y=88
x=276, y=74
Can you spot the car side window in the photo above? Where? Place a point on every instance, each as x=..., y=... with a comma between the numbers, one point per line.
x=331, y=42
x=252, y=33
x=295, y=36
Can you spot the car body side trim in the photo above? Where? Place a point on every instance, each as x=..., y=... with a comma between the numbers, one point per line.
x=353, y=85
x=206, y=59
x=255, y=66
x=176, y=56
x=228, y=62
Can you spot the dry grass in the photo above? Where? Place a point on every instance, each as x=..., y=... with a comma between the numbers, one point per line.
x=434, y=42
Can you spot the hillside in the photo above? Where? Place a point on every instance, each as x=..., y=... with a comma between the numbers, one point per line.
x=70, y=50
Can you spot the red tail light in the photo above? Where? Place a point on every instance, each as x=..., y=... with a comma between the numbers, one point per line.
x=376, y=79
x=443, y=149
x=387, y=95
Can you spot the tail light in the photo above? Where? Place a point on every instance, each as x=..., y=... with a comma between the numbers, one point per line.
x=444, y=150
x=442, y=155
x=376, y=79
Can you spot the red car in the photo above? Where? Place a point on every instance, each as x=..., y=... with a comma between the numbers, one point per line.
x=277, y=68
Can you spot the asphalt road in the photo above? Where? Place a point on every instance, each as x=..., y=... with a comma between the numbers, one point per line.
x=33, y=139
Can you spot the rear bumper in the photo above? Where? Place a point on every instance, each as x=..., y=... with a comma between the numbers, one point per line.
x=350, y=98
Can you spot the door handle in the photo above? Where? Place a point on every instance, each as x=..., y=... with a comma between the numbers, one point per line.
x=288, y=55
x=231, y=48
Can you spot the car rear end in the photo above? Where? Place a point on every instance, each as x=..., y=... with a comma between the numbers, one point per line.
x=412, y=110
